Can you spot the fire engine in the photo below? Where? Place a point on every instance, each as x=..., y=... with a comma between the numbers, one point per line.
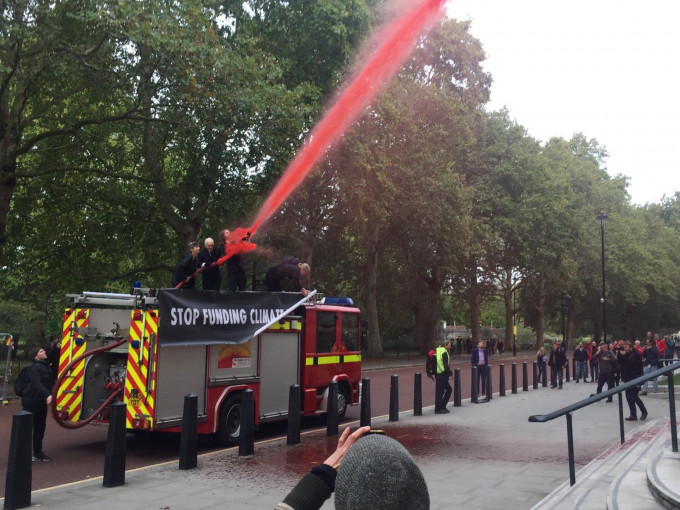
x=150, y=348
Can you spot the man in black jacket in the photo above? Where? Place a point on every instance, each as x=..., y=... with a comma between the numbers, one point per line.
x=581, y=358
x=210, y=278
x=631, y=368
x=557, y=361
x=36, y=398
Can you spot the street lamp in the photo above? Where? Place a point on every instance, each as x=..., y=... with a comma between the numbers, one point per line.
x=602, y=216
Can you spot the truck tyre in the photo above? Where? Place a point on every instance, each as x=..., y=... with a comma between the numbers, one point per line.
x=343, y=401
x=230, y=421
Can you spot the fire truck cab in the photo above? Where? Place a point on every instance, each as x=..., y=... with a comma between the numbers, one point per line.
x=118, y=347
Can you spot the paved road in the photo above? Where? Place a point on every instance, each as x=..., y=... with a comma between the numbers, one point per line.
x=78, y=455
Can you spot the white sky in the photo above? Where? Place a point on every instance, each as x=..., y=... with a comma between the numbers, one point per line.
x=609, y=69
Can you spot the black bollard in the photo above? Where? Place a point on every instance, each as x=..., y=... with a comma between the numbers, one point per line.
x=19, y=473
x=417, y=395
x=246, y=438
x=514, y=349
x=573, y=366
x=473, y=385
x=332, y=417
x=294, y=418
x=567, y=375
x=188, y=442
x=535, y=374
x=394, y=398
x=114, y=458
x=544, y=378
x=514, y=378
x=525, y=377
x=365, y=414
x=489, y=383
x=457, y=392
x=501, y=380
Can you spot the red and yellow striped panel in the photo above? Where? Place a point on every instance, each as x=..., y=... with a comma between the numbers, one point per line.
x=140, y=383
x=70, y=392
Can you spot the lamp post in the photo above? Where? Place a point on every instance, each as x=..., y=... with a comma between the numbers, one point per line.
x=602, y=216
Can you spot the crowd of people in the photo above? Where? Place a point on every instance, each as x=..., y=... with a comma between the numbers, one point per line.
x=284, y=276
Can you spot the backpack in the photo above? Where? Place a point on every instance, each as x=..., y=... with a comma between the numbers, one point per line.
x=22, y=383
x=431, y=363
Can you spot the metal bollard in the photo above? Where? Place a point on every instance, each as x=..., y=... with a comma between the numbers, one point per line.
x=114, y=458
x=188, y=442
x=365, y=414
x=501, y=380
x=535, y=374
x=246, y=438
x=525, y=377
x=489, y=383
x=544, y=378
x=394, y=398
x=573, y=367
x=294, y=418
x=19, y=473
x=332, y=417
x=457, y=392
x=417, y=395
x=514, y=378
x=473, y=385
x=567, y=369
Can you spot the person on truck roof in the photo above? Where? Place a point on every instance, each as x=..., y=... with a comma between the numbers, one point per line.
x=286, y=276
x=187, y=267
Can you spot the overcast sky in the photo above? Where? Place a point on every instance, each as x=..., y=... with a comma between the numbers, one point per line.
x=609, y=69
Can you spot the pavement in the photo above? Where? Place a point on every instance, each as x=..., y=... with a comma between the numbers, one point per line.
x=480, y=456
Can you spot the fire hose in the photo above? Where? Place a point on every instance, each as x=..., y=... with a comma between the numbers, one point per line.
x=98, y=411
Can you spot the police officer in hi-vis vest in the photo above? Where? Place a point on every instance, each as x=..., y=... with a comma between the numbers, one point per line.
x=443, y=389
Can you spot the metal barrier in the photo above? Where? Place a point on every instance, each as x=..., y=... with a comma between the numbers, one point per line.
x=568, y=410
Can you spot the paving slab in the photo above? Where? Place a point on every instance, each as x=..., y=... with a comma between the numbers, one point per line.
x=477, y=457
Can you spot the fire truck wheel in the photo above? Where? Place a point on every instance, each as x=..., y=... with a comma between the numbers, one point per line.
x=230, y=421
x=343, y=398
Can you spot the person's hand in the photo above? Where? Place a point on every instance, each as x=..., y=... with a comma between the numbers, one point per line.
x=344, y=443
x=304, y=292
x=49, y=400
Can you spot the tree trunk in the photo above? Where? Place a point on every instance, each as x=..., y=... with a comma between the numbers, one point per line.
x=509, y=311
x=540, y=309
x=374, y=343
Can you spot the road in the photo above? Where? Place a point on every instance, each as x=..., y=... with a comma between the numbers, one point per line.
x=79, y=454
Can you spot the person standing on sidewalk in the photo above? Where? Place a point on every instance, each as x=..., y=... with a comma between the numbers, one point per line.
x=557, y=361
x=36, y=398
x=631, y=368
x=606, y=364
x=581, y=358
x=650, y=363
x=541, y=361
x=480, y=359
x=594, y=368
x=442, y=391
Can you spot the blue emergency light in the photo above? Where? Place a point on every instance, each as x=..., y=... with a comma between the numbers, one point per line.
x=339, y=301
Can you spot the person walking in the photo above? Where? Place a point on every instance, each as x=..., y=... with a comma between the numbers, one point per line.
x=442, y=391
x=581, y=358
x=631, y=368
x=607, y=365
x=650, y=363
x=541, y=362
x=557, y=362
x=594, y=368
x=36, y=398
x=480, y=359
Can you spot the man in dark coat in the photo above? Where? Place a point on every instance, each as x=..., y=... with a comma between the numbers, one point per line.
x=211, y=278
x=36, y=398
x=480, y=359
x=286, y=275
x=631, y=368
x=187, y=267
x=557, y=362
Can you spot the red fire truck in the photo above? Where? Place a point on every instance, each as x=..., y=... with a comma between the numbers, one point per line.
x=151, y=348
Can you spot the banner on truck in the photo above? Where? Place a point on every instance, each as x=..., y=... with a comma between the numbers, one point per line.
x=191, y=317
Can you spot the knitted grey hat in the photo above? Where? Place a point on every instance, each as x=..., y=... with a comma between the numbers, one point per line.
x=378, y=472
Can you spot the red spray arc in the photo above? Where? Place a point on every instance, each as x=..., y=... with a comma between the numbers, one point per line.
x=397, y=42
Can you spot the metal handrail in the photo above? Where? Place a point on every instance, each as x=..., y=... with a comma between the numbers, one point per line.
x=617, y=390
